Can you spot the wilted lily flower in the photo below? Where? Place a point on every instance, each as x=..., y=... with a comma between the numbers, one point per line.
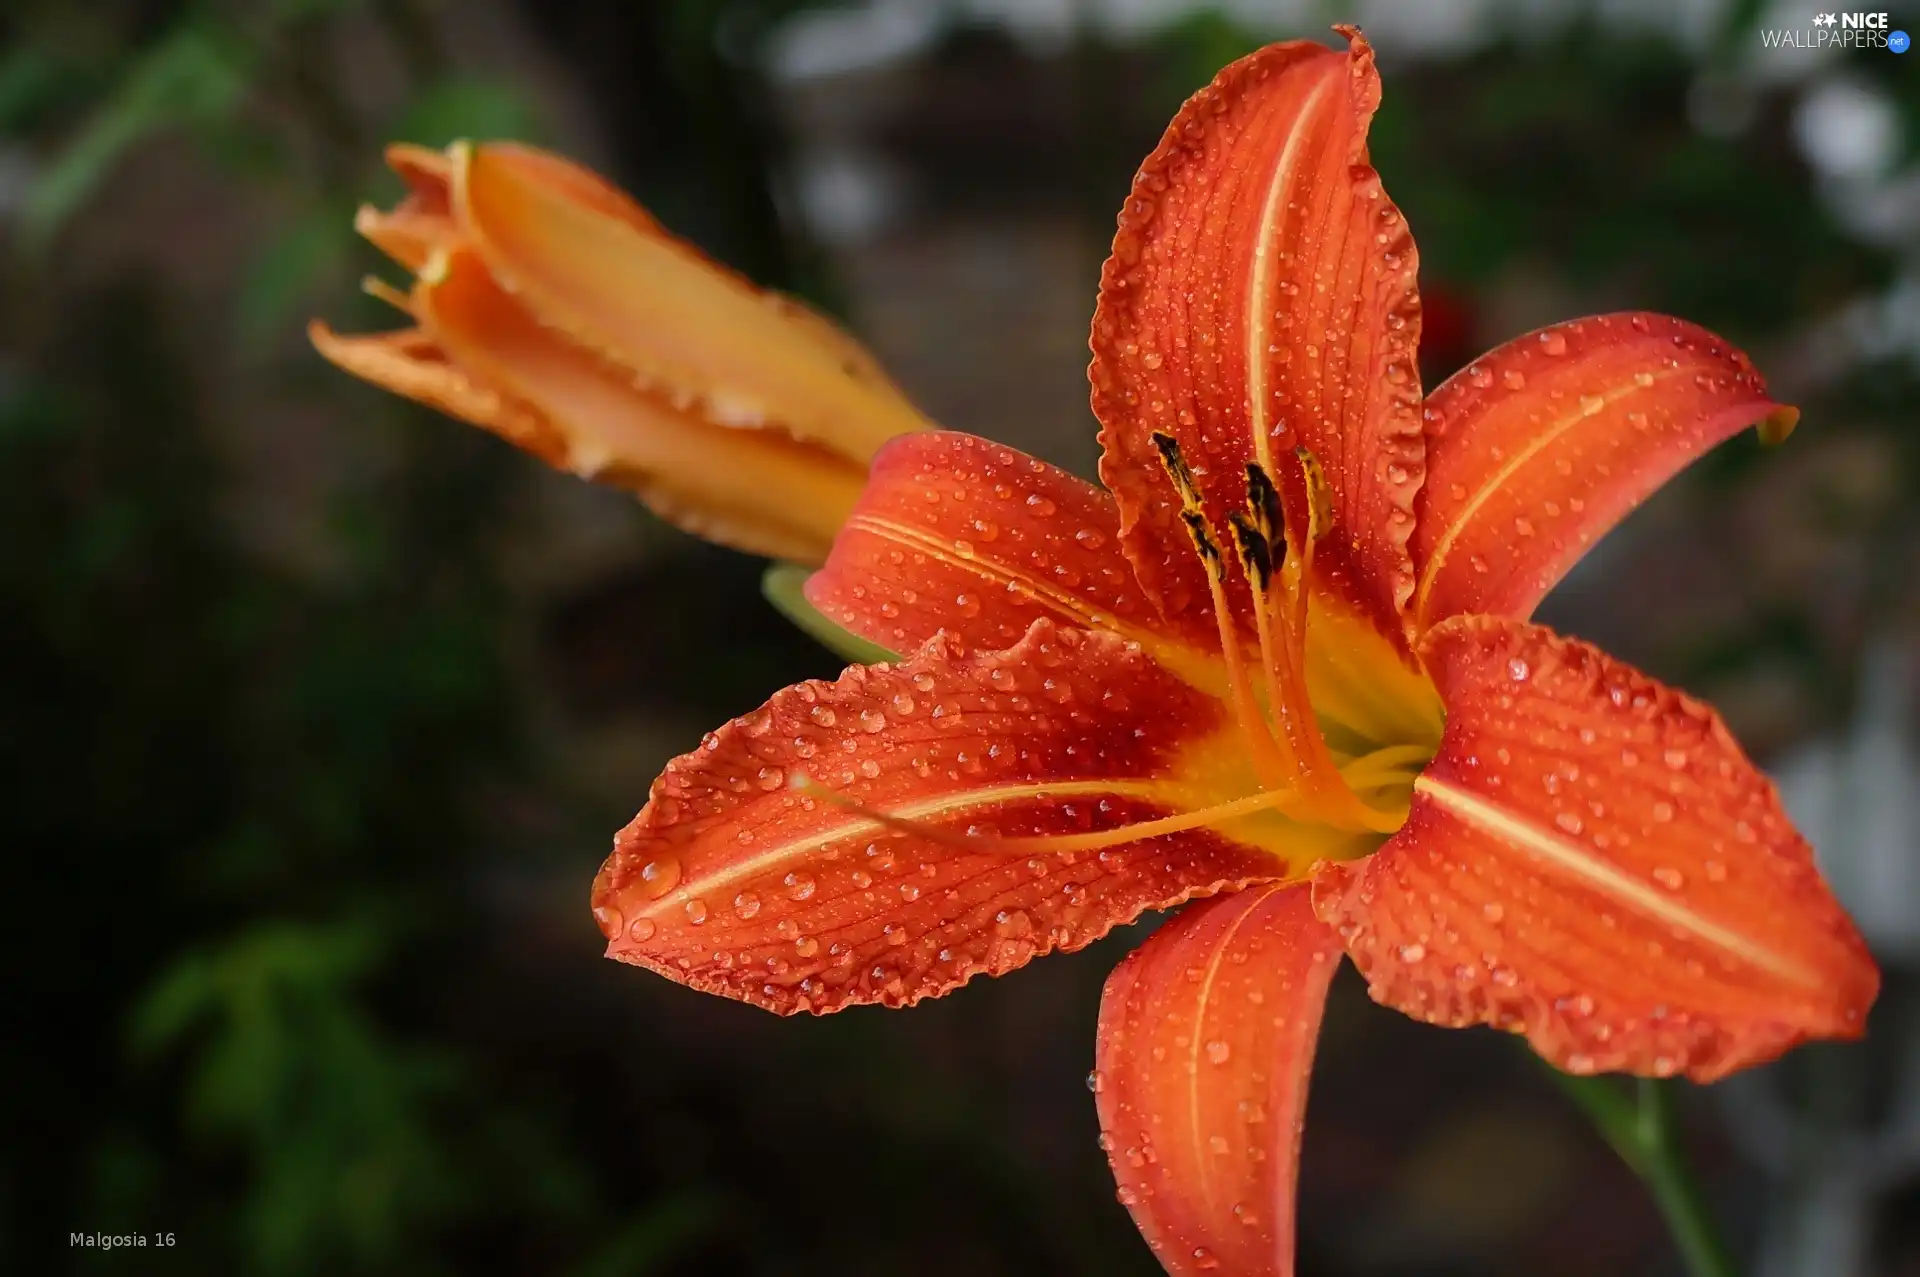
x=554, y=311
x=1282, y=662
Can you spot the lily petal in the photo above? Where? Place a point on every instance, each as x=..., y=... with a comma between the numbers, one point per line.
x=734, y=881
x=676, y=322
x=1537, y=449
x=423, y=221
x=1592, y=861
x=753, y=489
x=958, y=533
x=561, y=177
x=408, y=362
x=1205, y=1048
x=1260, y=296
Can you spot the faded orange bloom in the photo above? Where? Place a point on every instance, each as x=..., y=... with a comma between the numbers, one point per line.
x=553, y=310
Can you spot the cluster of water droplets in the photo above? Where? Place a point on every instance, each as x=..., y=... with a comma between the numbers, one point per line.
x=742, y=878
x=970, y=536
x=1598, y=933
x=1588, y=431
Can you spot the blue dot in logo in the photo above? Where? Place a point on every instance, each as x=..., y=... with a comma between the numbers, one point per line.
x=1898, y=41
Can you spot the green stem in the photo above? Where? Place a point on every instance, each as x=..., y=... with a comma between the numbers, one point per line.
x=1639, y=1124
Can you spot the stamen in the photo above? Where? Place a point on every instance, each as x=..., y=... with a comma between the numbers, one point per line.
x=1276, y=555
x=1282, y=614
x=1256, y=556
x=1200, y=817
x=1263, y=506
x=374, y=286
x=1272, y=767
x=1257, y=561
x=1319, y=501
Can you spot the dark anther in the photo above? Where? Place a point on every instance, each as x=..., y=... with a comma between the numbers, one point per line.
x=1176, y=467
x=1256, y=556
x=1263, y=504
x=1202, y=539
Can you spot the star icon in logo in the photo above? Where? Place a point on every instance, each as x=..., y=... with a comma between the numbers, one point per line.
x=1823, y=19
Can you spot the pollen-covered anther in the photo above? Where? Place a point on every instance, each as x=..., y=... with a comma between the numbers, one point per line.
x=1319, y=499
x=1204, y=545
x=1175, y=464
x=1256, y=554
x=1263, y=507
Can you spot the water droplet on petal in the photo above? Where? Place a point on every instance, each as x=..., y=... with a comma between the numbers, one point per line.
x=660, y=876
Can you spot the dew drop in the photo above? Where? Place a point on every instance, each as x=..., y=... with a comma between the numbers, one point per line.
x=1553, y=343
x=696, y=911
x=642, y=929
x=746, y=904
x=660, y=876
x=1218, y=1051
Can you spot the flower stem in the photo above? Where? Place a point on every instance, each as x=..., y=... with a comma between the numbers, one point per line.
x=1639, y=1124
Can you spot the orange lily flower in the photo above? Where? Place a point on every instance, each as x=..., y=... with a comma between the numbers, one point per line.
x=1281, y=666
x=554, y=311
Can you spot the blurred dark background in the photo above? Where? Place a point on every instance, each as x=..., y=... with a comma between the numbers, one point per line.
x=318, y=711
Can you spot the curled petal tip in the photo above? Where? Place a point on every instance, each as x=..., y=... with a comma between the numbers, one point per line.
x=1777, y=425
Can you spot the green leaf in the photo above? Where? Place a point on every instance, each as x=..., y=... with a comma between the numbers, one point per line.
x=189, y=76
x=782, y=587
